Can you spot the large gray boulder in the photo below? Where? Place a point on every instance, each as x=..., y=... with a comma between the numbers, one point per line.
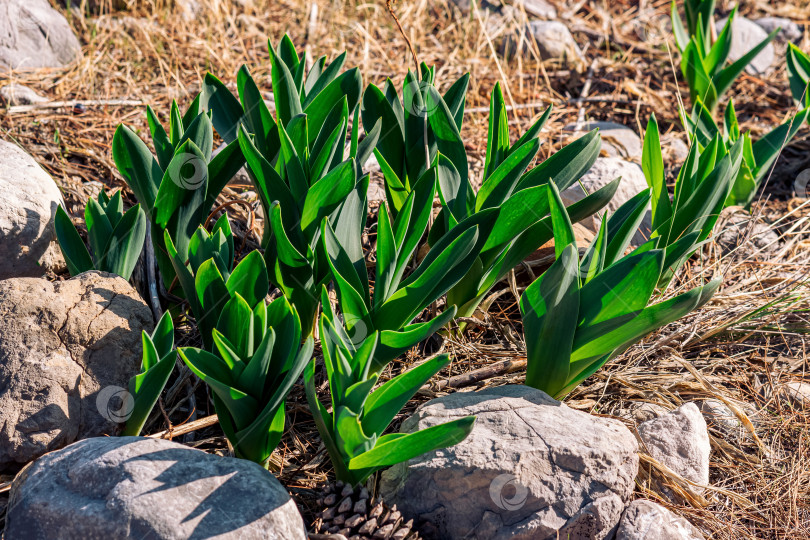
x=28, y=201
x=34, y=35
x=604, y=171
x=645, y=520
x=745, y=35
x=67, y=352
x=532, y=468
x=680, y=440
x=135, y=487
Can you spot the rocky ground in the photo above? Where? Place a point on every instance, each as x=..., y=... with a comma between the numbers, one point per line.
x=700, y=431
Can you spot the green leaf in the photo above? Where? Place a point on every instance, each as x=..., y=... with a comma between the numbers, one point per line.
x=126, y=242
x=145, y=389
x=561, y=224
x=445, y=132
x=326, y=194
x=76, y=255
x=285, y=91
x=136, y=164
x=163, y=146
x=729, y=74
x=652, y=164
x=227, y=111
x=502, y=182
x=566, y=166
x=99, y=230
x=249, y=279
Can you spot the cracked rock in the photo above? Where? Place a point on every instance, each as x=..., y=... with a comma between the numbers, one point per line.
x=532, y=468
x=645, y=520
x=680, y=440
x=67, y=352
x=135, y=487
x=28, y=201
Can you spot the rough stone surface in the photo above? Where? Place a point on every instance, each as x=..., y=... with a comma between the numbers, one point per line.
x=604, y=171
x=641, y=412
x=618, y=140
x=720, y=417
x=34, y=35
x=17, y=94
x=680, y=441
x=737, y=234
x=790, y=30
x=64, y=347
x=674, y=150
x=551, y=39
x=646, y=520
x=28, y=201
x=531, y=468
x=537, y=8
x=135, y=487
x=745, y=35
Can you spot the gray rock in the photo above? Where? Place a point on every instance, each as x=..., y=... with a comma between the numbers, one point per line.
x=618, y=140
x=17, y=94
x=532, y=468
x=647, y=411
x=34, y=35
x=604, y=171
x=646, y=520
x=551, y=39
x=680, y=441
x=67, y=351
x=738, y=234
x=537, y=8
x=28, y=201
x=720, y=417
x=790, y=30
x=136, y=487
x=745, y=35
x=674, y=149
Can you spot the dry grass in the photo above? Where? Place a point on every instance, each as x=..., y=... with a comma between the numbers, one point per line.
x=739, y=349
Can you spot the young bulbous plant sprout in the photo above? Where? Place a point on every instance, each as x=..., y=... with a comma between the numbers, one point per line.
x=510, y=208
x=703, y=60
x=296, y=162
x=209, y=279
x=156, y=366
x=258, y=356
x=581, y=313
x=178, y=188
x=353, y=432
x=758, y=157
x=116, y=238
x=798, y=70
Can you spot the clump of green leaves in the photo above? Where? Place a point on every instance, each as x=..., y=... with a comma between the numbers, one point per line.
x=178, y=188
x=581, y=313
x=758, y=157
x=116, y=238
x=257, y=358
x=353, y=432
x=704, y=60
x=156, y=367
x=798, y=69
x=209, y=279
x=296, y=162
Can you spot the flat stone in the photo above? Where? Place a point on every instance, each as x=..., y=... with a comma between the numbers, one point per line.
x=604, y=171
x=680, y=441
x=618, y=140
x=28, y=201
x=17, y=94
x=745, y=35
x=791, y=31
x=646, y=520
x=67, y=352
x=34, y=35
x=136, y=487
x=551, y=39
x=738, y=232
x=532, y=468
x=537, y=8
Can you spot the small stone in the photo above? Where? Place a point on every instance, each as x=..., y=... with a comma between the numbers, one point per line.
x=674, y=150
x=647, y=411
x=34, y=35
x=551, y=39
x=745, y=35
x=720, y=417
x=537, y=8
x=680, y=441
x=736, y=233
x=17, y=94
x=531, y=468
x=646, y=520
x=791, y=31
x=137, y=487
x=618, y=140
x=67, y=352
x=604, y=171
x=28, y=201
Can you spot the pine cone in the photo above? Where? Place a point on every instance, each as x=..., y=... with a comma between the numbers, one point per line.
x=351, y=513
